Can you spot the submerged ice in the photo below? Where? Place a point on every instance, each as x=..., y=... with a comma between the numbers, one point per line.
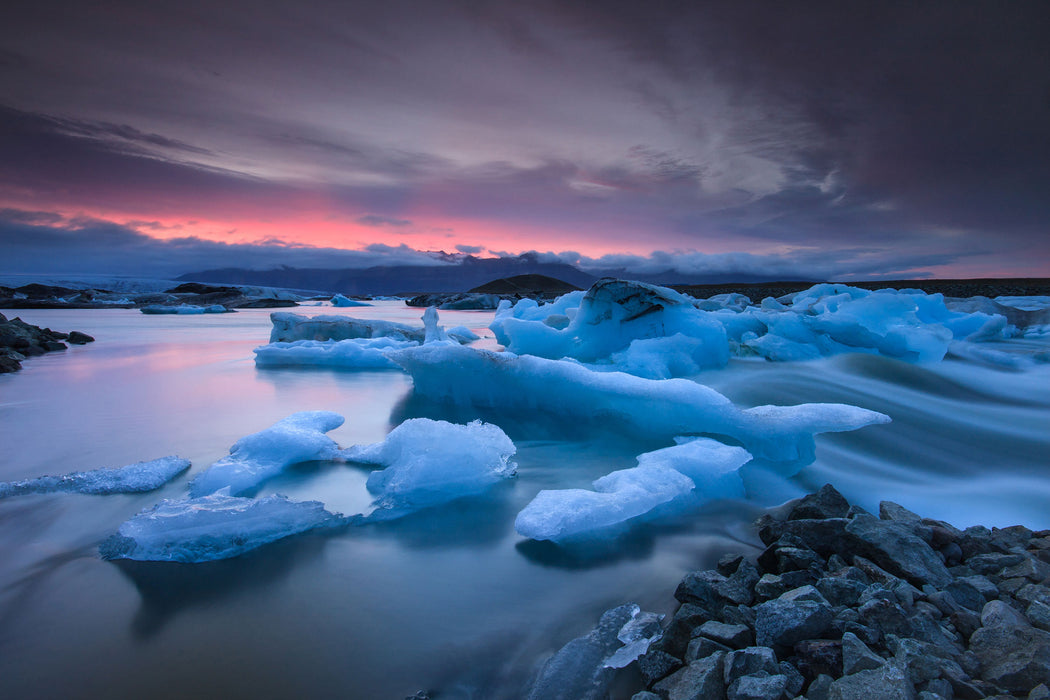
x=260, y=456
x=218, y=526
x=133, y=478
x=428, y=462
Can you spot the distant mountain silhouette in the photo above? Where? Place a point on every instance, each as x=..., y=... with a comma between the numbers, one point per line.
x=398, y=279
x=525, y=285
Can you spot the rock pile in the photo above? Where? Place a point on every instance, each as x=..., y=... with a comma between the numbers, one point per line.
x=843, y=605
x=19, y=340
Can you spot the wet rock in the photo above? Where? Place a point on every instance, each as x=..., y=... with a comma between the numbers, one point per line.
x=702, y=646
x=895, y=548
x=819, y=656
x=887, y=682
x=734, y=636
x=1038, y=614
x=793, y=617
x=1013, y=654
x=966, y=594
x=825, y=503
x=699, y=680
x=761, y=686
x=750, y=661
x=856, y=656
x=656, y=664
x=78, y=338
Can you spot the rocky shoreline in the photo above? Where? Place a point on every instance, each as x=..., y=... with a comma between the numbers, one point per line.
x=844, y=605
x=19, y=340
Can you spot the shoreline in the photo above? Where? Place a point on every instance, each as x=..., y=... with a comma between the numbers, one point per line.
x=846, y=605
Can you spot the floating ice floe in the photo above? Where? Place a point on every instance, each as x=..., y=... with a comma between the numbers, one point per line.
x=343, y=301
x=430, y=462
x=260, y=456
x=218, y=526
x=348, y=343
x=655, y=332
x=185, y=309
x=584, y=668
x=133, y=478
x=666, y=408
x=701, y=468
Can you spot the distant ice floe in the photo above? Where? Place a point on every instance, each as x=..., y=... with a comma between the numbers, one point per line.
x=655, y=332
x=133, y=478
x=701, y=468
x=255, y=458
x=665, y=408
x=348, y=343
x=428, y=462
x=584, y=668
x=340, y=300
x=218, y=526
x=185, y=309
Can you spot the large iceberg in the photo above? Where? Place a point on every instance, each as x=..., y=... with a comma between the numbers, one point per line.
x=212, y=527
x=609, y=317
x=702, y=468
x=260, y=456
x=430, y=462
x=782, y=435
x=184, y=309
x=343, y=301
x=289, y=327
x=133, y=478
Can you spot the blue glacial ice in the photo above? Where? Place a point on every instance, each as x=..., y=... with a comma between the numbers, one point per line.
x=654, y=409
x=343, y=301
x=260, y=456
x=584, y=668
x=218, y=526
x=133, y=478
x=657, y=333
x=289, y=327
x=185, y=309
x=360, y=353
x=428, y=462
x=701, y=468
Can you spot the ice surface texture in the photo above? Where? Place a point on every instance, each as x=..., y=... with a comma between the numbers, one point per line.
x=429, y=462
x=255, y=458
x=360, y=353
x=133, y=478
x=212, y=527
x=584, y=668
x=289, y=327
x=702, y=468
x=653, y=409
x=657, y=333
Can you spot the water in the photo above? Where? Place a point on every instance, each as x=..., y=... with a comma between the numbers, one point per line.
x=448, y=599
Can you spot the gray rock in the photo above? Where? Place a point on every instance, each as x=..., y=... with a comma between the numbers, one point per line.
x=840, y=590
x=966, y=594
x=700, y=680
x=1040, y=692
x=740, y=615
x=1034, y=592
x=868, y=635
x=940, y=688
x=1015, y=536
x=966, y=622
x=820, y=688
x=825, y=503
x=795, y=680
x=993, y=563
x=645, y=695
x=1013, y=654
x=773, y=586
x=982, y=584
x=797, y=559
x=816, y=656
x=1012, y=586
x=923, y=662
x=750, y=661
x=888, y=510
x=680, y=629
x=701, y=647
x=656, y=664
x=78, y=338
x=794, y=616
x=898, y=550
x=1031, y=569
x=856, y=656
x=735, y=636
x=1038, y=614
x=885, y=683
x=886, y=616
x=758, y=687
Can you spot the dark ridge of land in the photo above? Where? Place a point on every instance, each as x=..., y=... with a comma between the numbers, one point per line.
x=991, y=287
x=19, y=340
x=525, y=285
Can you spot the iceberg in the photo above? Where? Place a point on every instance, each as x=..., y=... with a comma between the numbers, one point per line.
x=133, y=478
x=260, y=456
x=663, y=408
x=218, y=526
x=359, y=353
x=703, y=468
x=340, y=300
x=430, y=462
x=583, y=669
x=289, y=327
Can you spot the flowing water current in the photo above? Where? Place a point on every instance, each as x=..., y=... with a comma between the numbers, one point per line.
x=450, y=599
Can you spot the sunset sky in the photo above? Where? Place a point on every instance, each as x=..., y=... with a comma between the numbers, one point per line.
x=832, y=140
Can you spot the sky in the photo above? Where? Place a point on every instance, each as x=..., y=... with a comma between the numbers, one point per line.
x=809, y=140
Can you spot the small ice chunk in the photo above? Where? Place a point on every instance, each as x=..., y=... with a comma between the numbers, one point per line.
x=430, y=462
x=433, y=332
x=298, y=438
x=343, y=301
x=356, y=353
x=713, y=466
x=218, y=526
x=133, y=478
x=617, y=497
x=637, y=635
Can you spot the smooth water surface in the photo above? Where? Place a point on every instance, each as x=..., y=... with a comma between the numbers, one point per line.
x=450, y=599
